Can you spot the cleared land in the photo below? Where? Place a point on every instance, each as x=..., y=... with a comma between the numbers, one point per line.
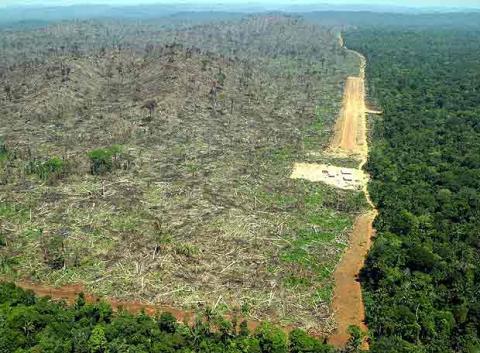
x=189, y=204
x=347, y=301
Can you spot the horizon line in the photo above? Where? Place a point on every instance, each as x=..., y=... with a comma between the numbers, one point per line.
x=265, y=4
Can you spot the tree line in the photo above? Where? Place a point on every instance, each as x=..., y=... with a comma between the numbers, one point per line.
x=422, y=279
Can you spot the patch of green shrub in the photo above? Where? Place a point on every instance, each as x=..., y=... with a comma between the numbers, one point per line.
x=301, y=342
x=103, y=160
x=53, y=168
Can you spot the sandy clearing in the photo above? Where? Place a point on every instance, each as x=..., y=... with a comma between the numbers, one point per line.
x=343, y=178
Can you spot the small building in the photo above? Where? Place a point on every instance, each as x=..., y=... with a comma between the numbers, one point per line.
x=347, y=178
x=346, y=172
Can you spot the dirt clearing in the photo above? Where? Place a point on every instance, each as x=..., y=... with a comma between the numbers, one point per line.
x=351, y=138
x=343, y=178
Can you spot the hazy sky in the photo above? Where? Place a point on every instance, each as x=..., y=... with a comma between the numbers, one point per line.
x=415, y=3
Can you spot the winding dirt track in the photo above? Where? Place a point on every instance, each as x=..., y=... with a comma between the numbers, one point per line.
x=347, y=302
x=69, y=294
x=351, y=139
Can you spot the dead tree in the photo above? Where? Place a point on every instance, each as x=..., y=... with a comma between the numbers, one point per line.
x=150, y=105
x=8, y=91
x=213, y=94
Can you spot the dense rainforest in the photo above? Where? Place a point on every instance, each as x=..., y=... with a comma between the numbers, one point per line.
x=422, y=279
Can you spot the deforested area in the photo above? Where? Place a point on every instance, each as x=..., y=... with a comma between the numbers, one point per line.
x=421, y=279
x=151, y=161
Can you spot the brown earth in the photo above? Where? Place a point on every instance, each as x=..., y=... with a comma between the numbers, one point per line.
x=350, y=139
x=69, y=294
x=347, y=301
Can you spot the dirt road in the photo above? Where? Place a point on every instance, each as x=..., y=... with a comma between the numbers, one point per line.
x=69, y=294
x=347, y=302
x=350, y=136
x=351, y=139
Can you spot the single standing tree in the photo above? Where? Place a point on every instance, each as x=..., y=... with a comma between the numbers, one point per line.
x=150, y=105
x=8, y=91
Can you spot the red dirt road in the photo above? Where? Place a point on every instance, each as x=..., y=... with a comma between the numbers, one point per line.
x=69, y=293
x=347, y=298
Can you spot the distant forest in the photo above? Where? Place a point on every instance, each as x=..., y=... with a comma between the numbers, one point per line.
x=422, y=279
x=326, y=15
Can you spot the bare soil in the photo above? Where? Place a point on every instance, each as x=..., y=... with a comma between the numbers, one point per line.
x=69, y=294
x=349, y=139
x=347, y=301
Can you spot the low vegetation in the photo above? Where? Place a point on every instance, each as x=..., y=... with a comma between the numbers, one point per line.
x=52, y=168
